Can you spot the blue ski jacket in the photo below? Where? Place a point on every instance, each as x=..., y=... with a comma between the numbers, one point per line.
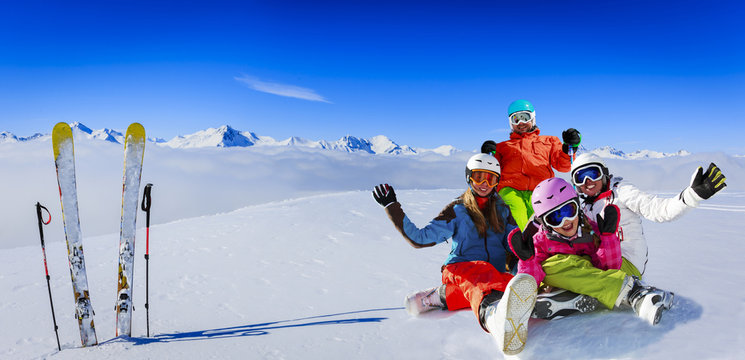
x=455, y=223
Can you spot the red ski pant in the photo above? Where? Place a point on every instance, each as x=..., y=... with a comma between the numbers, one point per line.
x=466, y=283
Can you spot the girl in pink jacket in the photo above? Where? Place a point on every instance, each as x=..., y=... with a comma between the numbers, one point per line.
x=562, y=248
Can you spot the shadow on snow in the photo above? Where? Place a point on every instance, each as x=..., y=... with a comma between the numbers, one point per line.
x=255, y=329
x=605, y=333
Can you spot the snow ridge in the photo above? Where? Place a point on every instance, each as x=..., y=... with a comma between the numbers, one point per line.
x=609, y=152
x=227, y=136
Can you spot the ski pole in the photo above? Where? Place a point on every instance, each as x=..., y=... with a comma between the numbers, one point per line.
x=46, y=270
x=571, y=154
x=571, y=162
x=146, y=201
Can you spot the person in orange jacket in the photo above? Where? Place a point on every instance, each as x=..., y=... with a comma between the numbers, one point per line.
x=528, y=158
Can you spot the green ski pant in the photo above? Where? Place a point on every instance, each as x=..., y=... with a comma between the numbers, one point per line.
x=577, y=274
x=519, y=203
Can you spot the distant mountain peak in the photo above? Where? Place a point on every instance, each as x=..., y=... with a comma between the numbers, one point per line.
x=80, y=127
x=223, y=136
x=610, y=152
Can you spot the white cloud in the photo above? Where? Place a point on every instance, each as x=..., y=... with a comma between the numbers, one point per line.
x=281, y=89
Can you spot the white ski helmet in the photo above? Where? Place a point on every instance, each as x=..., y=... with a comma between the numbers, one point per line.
x=586, y=159
x=482, y=162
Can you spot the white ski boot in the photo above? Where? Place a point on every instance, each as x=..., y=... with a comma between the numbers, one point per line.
x=666, y=297
x=560, y=303
x=423, y=301
x=648, y=302
x=507, y=320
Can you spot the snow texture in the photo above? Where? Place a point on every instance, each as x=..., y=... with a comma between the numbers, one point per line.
x=277, y=253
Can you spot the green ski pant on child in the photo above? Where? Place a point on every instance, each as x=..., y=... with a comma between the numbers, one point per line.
x=519, y=203
x=577, y=274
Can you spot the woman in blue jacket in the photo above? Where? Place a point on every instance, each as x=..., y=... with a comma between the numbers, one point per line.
x=474, y=273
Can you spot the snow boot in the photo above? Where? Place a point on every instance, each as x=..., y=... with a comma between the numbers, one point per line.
x=507, y=319
x=426, y=300
x=648, y=302
x=666, y=297
x=560, y=303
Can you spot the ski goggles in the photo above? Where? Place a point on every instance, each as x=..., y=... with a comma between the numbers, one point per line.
x=479, y=177
x=590, y=171
x=567, y=211
x=522, y=117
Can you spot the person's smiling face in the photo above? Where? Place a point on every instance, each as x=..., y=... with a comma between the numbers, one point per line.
x=568, y=228
x=590, y=187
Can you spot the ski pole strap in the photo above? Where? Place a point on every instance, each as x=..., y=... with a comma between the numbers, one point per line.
x=38, y=214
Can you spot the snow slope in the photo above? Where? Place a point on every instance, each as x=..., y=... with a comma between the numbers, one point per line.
x=276, y=253
x=315, y=278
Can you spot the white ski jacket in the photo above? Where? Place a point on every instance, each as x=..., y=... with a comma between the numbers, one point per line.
x=633, y=204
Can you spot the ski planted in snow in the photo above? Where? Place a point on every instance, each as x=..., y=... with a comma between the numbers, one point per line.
x=134, y=150
x=64, y=161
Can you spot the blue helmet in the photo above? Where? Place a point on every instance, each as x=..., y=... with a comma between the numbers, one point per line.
x=520, y=105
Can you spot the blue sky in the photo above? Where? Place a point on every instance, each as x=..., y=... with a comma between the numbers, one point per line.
x=631, y=74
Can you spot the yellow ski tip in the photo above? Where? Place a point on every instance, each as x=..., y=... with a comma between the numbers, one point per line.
x=60, y=133
x=136, y=131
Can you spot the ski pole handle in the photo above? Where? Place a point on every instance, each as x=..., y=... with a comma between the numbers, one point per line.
x=41, y=219
x=41, y=231
x=571, y=162
x=146, y=202
x=571, y=154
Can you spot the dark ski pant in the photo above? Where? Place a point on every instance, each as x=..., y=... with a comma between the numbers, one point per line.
x=466, y=283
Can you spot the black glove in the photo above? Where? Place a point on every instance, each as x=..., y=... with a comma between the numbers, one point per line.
x=488, y=147
x=384, y=195
x=571, y=138
x=708, y=183
x=608, y=223
x=521, y=244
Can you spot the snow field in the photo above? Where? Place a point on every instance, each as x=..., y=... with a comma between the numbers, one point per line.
x=313, y=278
x=283, y=254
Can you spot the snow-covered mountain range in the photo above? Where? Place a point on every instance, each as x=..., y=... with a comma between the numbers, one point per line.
x=226, y=136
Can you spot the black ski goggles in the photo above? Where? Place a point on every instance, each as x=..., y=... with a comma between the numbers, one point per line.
x=590, y=171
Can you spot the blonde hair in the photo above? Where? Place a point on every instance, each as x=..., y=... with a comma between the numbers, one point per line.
x=485, y=219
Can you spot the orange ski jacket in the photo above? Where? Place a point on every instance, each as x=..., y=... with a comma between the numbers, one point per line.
x=527, y=159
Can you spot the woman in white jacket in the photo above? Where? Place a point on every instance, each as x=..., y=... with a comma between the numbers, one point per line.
x=599, y=188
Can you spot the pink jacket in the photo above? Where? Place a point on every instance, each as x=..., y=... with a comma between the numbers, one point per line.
x=606, y=256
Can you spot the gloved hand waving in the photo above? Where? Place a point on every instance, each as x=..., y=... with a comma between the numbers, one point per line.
x=608, y=223
x=571, y=138
x=708, y=183
x=521, y=244
x=488, y=147
x=384, y=195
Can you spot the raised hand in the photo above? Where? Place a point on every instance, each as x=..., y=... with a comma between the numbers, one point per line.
x=521, y=244
x=608, y=223
x=571, y=138
x=384, y=195
x=708, y=183
x=488, y=147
